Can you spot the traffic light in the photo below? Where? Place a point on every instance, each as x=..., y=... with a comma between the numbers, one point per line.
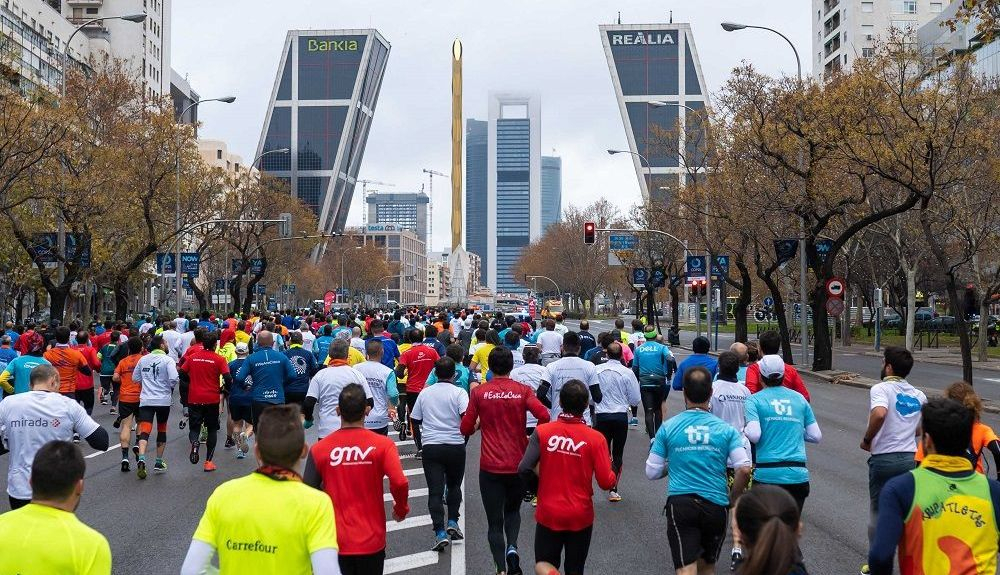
x=699, y=288
x=285, y=227
x=589, y=233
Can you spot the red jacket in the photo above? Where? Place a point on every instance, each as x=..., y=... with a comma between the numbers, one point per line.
x=501, y=405
x=792, y=380
x=351, y=464
x=570, y=453
x=90, y=354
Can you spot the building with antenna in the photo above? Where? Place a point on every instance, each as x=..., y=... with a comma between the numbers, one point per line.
x=406, y=210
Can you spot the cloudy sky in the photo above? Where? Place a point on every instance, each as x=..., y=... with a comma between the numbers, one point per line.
x=548, y=46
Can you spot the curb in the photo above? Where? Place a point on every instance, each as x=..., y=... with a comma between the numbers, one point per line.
x=990, y=365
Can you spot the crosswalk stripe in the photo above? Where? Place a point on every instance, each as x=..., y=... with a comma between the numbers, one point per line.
x=96, y=453
x=414, y=471
x=409, y=522
x=404, y=443
x=411, y=561
x=422, y=492
x=458, y=551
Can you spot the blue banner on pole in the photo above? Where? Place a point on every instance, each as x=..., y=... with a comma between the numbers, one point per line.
x=696, y=266
x=640, y=277
x=44, y=248
x=720, y=268
x=190, y=263
x=165, y=264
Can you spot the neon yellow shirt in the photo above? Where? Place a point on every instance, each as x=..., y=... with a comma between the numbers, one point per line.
x=261, y=525
x=481, y=357
x=29, y=536
x=354, y=357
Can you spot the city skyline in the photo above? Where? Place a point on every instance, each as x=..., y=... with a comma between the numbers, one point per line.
x=551, y=49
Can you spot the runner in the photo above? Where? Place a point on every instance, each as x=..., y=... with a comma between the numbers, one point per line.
x=305, y=367
x=67, y=361
x=128, y=399
x=770, y=344
x=499, y=407
x=416, y=365
x=480, y=359
x=653, y=366
x=325, y=387
x=463, y=376
x=268, y=521
x=780, y=421
x=698, y=446
x=728, y=403
x=57, y=472
x=390, y=351
x=42, y=402
x=350, y=465
x=240, y=419
x=110, y=354
x=550, y=341
x=16, y=377
x=265, y=373
x=158, y=374
x=567, y=455
x=382, y=383
x=983, y=436
x=438, y=412
x=767, y=521
x=85, y=383
x=203, y=370
x=699, y=358
x=531, y=374
x=943, y=515
x=617, y=392
x=569, y=367
x=7, y=353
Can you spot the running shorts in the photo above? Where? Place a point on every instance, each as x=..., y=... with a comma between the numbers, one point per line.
x=204, y=413
x=696, y=529
x=240, y=412
x=127, y=409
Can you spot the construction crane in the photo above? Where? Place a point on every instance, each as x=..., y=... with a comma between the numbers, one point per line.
x=430, y=207
x=364, y=197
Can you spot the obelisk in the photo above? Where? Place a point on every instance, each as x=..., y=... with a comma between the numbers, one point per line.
x=458, y=262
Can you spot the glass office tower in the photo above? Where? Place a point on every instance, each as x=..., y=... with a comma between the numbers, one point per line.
x=657, y=63
x=551, y=191
x=321, y=108
x=477, y=192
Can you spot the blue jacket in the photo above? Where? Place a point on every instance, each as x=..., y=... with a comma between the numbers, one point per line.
x=390, y=351
x=237, y=395
x=436, y=344
x=269, y=372
x=702, y=359
x=651, y=359
x=321, y=347
x=305, y=367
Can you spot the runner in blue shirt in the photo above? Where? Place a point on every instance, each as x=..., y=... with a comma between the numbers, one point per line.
x=699, y=447
x=700, y=346
x=269, y=371
x=321, y=345
x=780, y=421
x=652, y=366
x=390, y=351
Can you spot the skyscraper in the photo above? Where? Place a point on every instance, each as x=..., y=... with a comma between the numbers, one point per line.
x=476, y=191
x=407, y=211
x=656, y=63
x=514, y=184
x=551, y=191
x=321, y=108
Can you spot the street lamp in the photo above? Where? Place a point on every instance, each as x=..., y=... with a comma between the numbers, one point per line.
x=177, y=260
x=278, y=151
x=803, y=271
x=649, y=167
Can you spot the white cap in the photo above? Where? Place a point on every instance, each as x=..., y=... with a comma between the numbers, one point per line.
x=771, y=366
x=242, y=347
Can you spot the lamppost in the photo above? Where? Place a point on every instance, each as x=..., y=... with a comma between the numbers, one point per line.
x=649, y=168
x=180, y=246
x=342, y=254
x=803, y=265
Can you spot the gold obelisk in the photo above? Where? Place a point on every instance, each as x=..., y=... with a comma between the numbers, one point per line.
x=457, y=134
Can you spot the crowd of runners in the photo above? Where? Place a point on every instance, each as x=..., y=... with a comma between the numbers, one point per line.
x=552, y=407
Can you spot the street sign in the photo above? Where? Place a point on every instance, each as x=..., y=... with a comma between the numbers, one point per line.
x=835, y=306
x=835, y=287
x=190, y=263
x=165, y=264
x=261, y=289
x=696, y=266
x=676, y=281
x=784, y=250
x=759, y=315
x=640, y=277
x=769, y=301
x=720, y=267
x=623, y=241
x=823, y=248
x=255, y=266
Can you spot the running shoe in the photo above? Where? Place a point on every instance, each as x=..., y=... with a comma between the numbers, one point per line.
x=736, y=559
x=125, y=466
x=104, y=398
x=135, y=451
x=160, y=466
x=116, y=423
x=141, y=471
x=240, y=454
x=76, y=438
x=113, y=410
x=441, y=541
x=398, y=425
x=454, y=532
x=194, y=456
x=242, y=444
x=419, y=454
x=203, y=436
x=209, y=467
x=634, y=422
x=613, y=496
x=513, y=561
x=229, y=442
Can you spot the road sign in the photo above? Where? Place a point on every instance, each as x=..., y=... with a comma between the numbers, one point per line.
x=676, y=281
x=45, y=247
x=759, y=315
x=835, y=306
x=784, y=250
x=823, y=248
x=623, y=241
x=768, y=301
x=696, y=266
x=835, y=287
x=261, y=289
x=640, y=277
x=721, y=266
x=255, y=266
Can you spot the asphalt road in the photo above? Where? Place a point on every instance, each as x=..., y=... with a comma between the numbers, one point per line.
x=149, y=524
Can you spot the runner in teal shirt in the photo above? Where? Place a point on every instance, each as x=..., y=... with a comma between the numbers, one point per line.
x=19, y=370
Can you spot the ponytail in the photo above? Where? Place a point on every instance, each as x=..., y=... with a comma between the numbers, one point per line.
x=768, y=521
x=774, y=551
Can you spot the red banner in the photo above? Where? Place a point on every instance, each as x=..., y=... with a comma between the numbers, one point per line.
x=328, y=299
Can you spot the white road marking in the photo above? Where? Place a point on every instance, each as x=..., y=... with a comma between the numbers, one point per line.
x=993, y=379
x=458, y=551
x=411, y=561
x=422, y=492
x=414, y=471
x=412, y=521
x=402, y=443
x=96, y=453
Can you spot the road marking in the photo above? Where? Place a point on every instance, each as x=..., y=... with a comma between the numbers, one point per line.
x=409, y=522
x=402, y=443
x=458, y=551
x=993, y=379
x=422, y=492
x=411, y=561
x=414, y=471
x=96, y=453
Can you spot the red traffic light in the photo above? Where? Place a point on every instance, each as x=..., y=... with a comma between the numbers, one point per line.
x=589, y=233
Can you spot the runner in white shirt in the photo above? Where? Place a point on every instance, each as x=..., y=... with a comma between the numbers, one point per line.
x=173, y=338
x=550, y=341
x=308, y=337
x=159, y=377
x=325, y=387
x=571, y=366
x=356, y=340
x=531, y=373
x=729, y=395
x=382, y=382
x=30, y=420
x=615, y=392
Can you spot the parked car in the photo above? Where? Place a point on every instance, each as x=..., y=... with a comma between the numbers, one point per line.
x=942, y=323
x=891, y=319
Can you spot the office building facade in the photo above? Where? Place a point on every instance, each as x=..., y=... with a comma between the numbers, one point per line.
x=321, y=108
x=408, y=211
x=657, y=63
x=845, y=30
x=966, y=40
x=513, y=185
x=408, y=255
x=551, y=191
x=476, y=189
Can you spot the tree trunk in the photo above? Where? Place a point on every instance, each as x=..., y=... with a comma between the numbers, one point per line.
x=911, y=306
x=822, y=346
x=120, y=289
x=675, y=306
x=199, y=295
x=961, y=325
x=741, y=309
x=57, y=301
x=984, y=321
x=779, y=310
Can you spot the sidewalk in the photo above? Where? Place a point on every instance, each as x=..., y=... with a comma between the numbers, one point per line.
x=941, y=356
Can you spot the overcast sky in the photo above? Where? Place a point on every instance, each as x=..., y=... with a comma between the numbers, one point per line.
x=548, y=46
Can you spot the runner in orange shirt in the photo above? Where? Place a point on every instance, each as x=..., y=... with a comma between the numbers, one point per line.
x=128, y=399
x=67, y=361
x=983, y=436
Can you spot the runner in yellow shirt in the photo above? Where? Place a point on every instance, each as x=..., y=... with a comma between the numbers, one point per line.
x=268, y=521
x=30, y=532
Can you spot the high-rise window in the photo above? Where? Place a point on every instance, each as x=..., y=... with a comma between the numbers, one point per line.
x=867, y=6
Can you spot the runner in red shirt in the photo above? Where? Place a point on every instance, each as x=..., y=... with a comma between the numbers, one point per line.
x=573, y=453
x=202, y=370
x=770, y=344
x=416, y=365
x=85, y=383
x=500, y=405
x=350, y=464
